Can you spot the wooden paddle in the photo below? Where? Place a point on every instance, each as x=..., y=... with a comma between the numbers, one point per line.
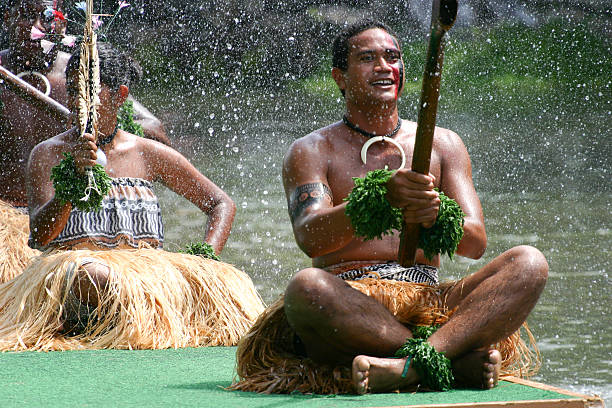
x=33, y=95
x=444, y=13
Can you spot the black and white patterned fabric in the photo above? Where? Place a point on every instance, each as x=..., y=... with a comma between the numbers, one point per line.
x=22, y=209
x=394, y=271
x=130, y=213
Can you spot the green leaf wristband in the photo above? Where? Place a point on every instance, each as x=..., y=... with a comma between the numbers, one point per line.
x=71, y=186
x=372, y=216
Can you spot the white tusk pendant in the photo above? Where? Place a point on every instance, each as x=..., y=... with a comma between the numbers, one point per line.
x=101, y=158
x=372, y=140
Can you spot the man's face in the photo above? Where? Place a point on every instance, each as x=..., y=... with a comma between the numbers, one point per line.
x=373, y=75
x=20, y=20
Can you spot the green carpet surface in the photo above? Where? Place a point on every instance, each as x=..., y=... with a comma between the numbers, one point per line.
x=182, y=378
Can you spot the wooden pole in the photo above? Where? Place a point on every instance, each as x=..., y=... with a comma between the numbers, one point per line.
x=444, y=13
x=33, y=95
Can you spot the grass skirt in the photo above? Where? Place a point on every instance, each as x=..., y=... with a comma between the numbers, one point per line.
x=154, y=300
x=266, y=361
x=15, y=253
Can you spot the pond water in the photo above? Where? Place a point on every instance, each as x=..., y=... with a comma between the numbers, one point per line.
x=544, y=184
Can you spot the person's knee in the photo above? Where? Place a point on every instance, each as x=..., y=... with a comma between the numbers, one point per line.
x=91, y=279
x=308, y=284
x=531, y=265
x=306, y=290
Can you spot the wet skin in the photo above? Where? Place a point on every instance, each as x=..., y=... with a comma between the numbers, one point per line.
x=331, y=156
x=340, y=325
x=127, y=156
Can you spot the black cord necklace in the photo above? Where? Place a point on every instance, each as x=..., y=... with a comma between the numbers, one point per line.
x=368, y=134
x=107, y=139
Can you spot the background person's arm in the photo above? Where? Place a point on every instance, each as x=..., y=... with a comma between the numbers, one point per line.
x=177, y=173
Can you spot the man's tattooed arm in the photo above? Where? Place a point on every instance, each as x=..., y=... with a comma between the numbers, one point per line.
x=307, y=195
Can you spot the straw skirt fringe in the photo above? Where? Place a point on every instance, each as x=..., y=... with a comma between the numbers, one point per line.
x=154, y=300
x=266, y=361
x=15, y=253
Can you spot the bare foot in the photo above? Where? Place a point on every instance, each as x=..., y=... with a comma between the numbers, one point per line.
x=373, y=374
x=478, y=369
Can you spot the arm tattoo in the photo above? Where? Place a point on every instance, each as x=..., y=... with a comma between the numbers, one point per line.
x=306, y=195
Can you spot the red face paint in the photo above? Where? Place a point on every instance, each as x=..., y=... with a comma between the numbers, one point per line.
x=396, y=70
x=396, y=79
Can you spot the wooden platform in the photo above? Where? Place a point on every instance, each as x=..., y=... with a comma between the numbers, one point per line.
x=573, y=400
x=567, y=399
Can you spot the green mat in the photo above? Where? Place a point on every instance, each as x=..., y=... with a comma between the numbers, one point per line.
x=182, y=378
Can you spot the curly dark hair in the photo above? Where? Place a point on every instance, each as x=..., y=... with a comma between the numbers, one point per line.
x=340, y=47
x=116, y=67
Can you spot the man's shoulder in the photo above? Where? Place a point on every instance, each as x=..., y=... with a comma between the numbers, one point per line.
x=318, y=140
x=449, y=146
x=446, y=138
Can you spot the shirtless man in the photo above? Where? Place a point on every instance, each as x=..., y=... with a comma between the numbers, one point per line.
x=340, y=325
x=23, y=126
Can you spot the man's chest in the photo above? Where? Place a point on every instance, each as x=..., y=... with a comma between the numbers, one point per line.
x=343, y=168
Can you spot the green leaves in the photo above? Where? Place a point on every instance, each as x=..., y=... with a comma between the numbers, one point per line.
x=434, y=368
x=125, y=119
x=203, y=249
x=70, y=185
x=372, y=216
x=370, y=213
x=423, y=332
x=444, y=236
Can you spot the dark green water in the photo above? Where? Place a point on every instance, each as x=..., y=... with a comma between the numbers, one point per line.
x=541, y=151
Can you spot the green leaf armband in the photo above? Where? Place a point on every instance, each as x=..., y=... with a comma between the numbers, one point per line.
x=433, y=367
x=203, y=249
x=372, y=216
x=72, y=186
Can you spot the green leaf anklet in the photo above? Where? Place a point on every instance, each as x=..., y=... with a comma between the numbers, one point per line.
x=423, y=332
x=433, y=367
x=72, y=186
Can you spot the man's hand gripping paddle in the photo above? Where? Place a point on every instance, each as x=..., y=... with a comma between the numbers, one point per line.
x=444, y=13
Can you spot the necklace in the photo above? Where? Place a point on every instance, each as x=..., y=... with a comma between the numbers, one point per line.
x=368, y=134
x=107, y=139
x=372, y=138
x=39, y=75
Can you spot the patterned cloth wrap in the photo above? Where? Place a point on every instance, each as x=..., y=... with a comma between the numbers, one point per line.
x=22, y=209
x=389, y=270
x=130, y=213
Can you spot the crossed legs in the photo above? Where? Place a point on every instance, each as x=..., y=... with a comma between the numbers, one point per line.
x=339, y=325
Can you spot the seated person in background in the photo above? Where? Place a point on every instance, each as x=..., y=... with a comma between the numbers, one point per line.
x=109, y=284
x=341, y=321
x=23, y=126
